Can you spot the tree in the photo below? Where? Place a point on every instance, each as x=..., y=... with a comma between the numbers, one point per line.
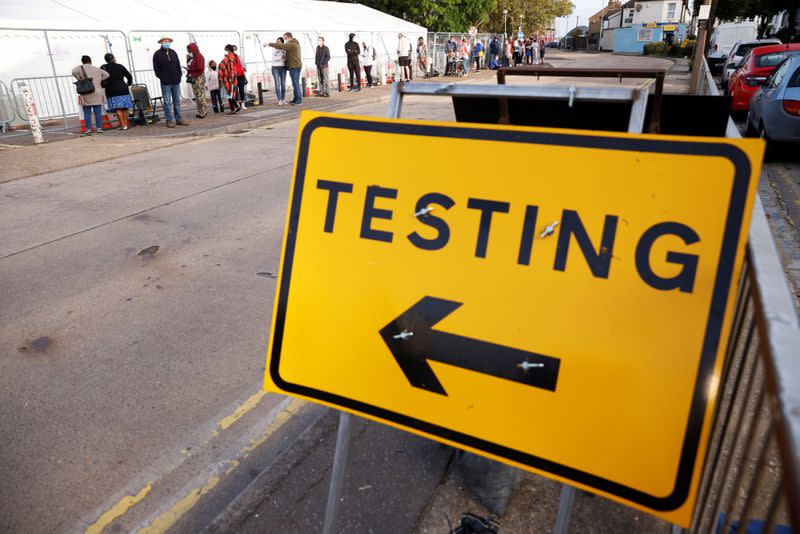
x=538, y=15
x=486, y=15
x=731, y=10
x=436, y=15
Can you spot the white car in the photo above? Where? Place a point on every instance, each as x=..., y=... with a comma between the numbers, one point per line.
x=737, y=53
x=723, y=38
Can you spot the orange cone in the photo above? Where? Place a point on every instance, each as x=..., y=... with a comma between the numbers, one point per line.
x=80, y=113
x=106, y=122
x=343, y=85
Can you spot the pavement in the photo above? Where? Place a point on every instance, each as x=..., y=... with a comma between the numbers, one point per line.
x=137, y=277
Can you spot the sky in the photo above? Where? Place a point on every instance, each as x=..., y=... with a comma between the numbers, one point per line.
x=583, y=10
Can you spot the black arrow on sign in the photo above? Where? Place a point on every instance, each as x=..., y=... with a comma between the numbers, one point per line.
x=413, y=341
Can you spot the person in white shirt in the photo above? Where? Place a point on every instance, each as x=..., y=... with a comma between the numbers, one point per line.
x=212, y=83
x=279, y=72
x=404, y=57
x=368, y=57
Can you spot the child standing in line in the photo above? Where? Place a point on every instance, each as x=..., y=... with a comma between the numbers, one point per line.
x=212, y=76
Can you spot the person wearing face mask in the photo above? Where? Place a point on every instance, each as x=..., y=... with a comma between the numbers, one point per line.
x=323, y=56
x=197, y=72
x=212, y=79
x=167, y=68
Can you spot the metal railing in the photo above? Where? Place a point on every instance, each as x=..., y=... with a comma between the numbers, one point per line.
x=438, y=41
x=751, y=474
x=7, y=107
x=55, y=97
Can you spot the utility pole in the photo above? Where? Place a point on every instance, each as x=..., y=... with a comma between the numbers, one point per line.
x=700, y=48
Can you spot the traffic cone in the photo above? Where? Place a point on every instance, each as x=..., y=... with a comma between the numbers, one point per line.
x=83, y=122
x=106, y=122
x=390, y=73
x=363, y=78
x=343, y=85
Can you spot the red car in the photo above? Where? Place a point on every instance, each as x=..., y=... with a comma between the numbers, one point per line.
x=754, y=69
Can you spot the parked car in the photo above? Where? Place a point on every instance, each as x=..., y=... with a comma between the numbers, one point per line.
x=775, y=107
x=553, y=44
x=755, y=67
x=723, y=39
x=737, y=53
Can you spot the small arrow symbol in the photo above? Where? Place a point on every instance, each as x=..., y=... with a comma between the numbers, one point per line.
x=412, y=352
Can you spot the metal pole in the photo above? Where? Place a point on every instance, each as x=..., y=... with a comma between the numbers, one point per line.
x=129, y=49
x=55, y=78
x=396, y=103
x=564, y=509
x=337, y=473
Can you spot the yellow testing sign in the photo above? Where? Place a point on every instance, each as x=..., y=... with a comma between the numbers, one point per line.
x=554, y=299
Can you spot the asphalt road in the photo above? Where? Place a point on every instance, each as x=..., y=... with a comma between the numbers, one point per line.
x=115, y=360
x=130, y=374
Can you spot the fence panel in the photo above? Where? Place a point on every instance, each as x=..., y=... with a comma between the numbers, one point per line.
x=751, y=473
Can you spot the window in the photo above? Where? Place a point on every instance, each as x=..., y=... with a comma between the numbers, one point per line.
x=777, y=76
x=770, y=60
x=794, y=81
x=644, y=34
x=671, y=10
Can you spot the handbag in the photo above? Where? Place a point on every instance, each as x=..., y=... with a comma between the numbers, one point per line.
x=189, y=78
x=84, y=86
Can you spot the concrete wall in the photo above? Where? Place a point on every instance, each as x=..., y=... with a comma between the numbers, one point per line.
x=608, y=38
x=657, y=10
x=626, y=40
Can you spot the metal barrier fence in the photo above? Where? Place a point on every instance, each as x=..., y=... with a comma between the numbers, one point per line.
x=7, y=108
x=751, y=474
x=55, y=97
x=437, y=43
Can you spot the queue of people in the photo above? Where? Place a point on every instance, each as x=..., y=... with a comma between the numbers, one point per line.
x=226, y=80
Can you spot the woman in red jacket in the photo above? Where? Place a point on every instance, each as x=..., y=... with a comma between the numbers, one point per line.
x=196, y=69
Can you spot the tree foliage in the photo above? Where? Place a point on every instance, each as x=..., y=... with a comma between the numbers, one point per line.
x=731, y=10
x=538, y=15
x=486, y=15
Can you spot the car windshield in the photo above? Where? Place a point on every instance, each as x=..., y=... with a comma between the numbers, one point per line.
x=770, y=60
x=745, y=48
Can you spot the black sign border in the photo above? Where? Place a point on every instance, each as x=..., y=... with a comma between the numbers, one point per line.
x=733, y=228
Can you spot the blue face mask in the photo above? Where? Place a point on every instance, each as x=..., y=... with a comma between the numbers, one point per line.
x=165, y=45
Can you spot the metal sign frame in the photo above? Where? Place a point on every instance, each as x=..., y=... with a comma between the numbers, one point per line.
x=636, y=95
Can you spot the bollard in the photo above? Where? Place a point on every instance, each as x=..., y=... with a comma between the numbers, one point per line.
x=339, y=80
x=303, y=88
x=260, y=94
x=33, y=117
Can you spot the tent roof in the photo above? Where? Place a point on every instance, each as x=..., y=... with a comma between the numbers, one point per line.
x=198, y=15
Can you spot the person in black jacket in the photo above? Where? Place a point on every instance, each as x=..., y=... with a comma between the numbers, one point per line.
x=352, y=50
x=167, y=67
x=323, y=56
x=118, y=96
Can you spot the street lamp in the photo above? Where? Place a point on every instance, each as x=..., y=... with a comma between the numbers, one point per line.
x=505, y=25
x=521, y=18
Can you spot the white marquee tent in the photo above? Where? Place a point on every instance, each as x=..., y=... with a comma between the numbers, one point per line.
x=131, y=29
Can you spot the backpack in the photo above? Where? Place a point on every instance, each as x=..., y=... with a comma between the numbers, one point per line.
x=84, y=86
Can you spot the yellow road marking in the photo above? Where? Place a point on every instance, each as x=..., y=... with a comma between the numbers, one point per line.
x=234, y=465
x=163, y=522
x=280, y=418
x=119, y=509
x=245, y=407
x=168, y=518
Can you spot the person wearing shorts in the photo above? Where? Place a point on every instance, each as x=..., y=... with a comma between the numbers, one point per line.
x=404, y=57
